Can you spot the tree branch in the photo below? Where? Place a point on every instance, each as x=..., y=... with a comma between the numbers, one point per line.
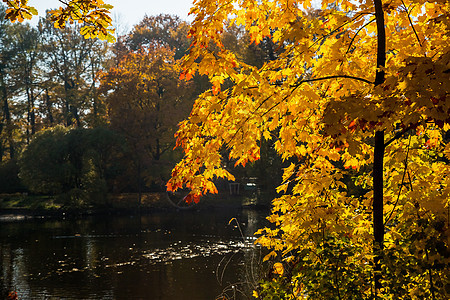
x=397, y=136
x=401, y=185
x=356, y=34
x=332, y=77
x=411, y=23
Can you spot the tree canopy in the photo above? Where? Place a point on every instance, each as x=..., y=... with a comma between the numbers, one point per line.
x=355, y=97
x=146, y=100
x=71, y=164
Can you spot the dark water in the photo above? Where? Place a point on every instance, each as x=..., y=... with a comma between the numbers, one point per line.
x=176, y=255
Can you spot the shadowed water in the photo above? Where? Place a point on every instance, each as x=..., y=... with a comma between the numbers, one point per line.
x=164, y=255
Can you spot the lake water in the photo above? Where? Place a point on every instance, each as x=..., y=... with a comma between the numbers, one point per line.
x=164, y=255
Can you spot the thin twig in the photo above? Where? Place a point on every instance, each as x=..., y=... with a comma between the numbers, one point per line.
x=401, y=185
x=356, y=34
x=411, y=23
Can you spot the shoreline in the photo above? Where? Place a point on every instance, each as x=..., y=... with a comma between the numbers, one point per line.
x=25, y=214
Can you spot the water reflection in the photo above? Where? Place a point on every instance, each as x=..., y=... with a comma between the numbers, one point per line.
x=177, y=255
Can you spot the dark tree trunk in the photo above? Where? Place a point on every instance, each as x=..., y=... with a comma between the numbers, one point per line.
x=67, y=106
x=48, y=105
x=378, y=222
x=67, y=113
x=31, y=114
x=76, y=116
x=7, y=117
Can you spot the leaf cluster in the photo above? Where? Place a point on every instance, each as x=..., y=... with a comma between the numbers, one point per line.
x=93, y=14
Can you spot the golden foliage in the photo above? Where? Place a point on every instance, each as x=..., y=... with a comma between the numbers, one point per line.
x=93, y=14
x=318, y=103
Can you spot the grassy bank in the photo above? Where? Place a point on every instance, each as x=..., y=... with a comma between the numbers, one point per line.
x=25, y=201
x=22, y=203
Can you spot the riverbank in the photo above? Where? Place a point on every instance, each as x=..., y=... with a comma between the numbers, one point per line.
x=17, y=207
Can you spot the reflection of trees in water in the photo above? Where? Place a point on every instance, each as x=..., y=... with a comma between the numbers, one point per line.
x=13, y=266
x=35, y=256
x=253, y=219
x=5, y=270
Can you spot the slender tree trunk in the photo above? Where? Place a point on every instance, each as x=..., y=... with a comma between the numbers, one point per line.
x=73, y=109
x=67, y=106
x=67, y=113
x=31, y=115
x=48, y=105
x=94, y=94
x=9, y=127
x=378, y=222
x=95, y=107
x=7, y=116
x=76, y=115
x=157, y=123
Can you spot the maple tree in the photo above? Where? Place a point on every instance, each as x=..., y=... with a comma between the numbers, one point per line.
x=92, y=14
x=355, y=95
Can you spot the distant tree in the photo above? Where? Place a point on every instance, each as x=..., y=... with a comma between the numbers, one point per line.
x=146, y=100
x=7, y=126
x=44, y=166
x=71, y=164
x=98, y=59
x=160, y=31
x=74, y=63
x=25, y=70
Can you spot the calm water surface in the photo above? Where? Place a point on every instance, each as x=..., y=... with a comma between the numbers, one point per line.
x=164, y=255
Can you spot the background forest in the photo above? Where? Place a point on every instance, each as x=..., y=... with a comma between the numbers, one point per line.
x=81, y=118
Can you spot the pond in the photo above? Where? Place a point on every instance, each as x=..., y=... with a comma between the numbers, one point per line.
x=162, y=255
